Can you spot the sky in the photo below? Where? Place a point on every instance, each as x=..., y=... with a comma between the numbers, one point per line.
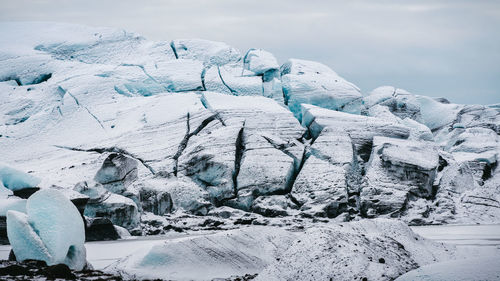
x=436, y=48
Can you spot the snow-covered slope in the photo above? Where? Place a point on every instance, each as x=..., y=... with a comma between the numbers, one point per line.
x=377, y=249
x=194, y=127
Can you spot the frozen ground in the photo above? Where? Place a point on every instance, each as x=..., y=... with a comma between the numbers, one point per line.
x=478, y=244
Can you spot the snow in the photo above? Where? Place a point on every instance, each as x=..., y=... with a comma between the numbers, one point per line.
x=210, y=128
x=220, y=102
x=462, y=270
x=373, y=249
x=234, y=252
x=14, y=179
x=52, y=230
x=177, y=75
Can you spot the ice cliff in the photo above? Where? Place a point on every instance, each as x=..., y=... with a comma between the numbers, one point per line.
x=193, y=128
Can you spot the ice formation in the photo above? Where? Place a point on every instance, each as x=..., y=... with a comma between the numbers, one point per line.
x=52, y=230
x=191, y=134
x=14, y=179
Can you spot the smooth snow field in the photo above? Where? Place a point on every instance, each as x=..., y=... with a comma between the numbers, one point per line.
x=478, y=246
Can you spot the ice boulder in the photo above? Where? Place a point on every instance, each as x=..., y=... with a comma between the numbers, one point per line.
x=14, y=179
x=16, y=204
x=260, y=61
x=314, y=83
x=116, y=172
x=398, y=169
x=119, y=209
x=400, y=102
x=361, y=129
x=52, y=230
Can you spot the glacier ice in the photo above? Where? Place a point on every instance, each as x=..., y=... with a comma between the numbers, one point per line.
x=208, y=52
x=179, y=107
x=260, y=61
x=16, y=204
x=14, y=179
x=397, y=170
x=52, y=230
x=314, y=83
x=24, y=240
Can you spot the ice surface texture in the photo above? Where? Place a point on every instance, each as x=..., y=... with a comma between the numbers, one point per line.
x=376, y=249
x=52, y=230
x=135, y=120
x=14, y=179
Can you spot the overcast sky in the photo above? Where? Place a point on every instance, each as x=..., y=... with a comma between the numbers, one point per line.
x=436, y=48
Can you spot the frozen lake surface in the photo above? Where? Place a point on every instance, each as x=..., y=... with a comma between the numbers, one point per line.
x=479, y=244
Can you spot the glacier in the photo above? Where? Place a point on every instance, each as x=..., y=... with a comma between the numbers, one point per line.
x=194, y=135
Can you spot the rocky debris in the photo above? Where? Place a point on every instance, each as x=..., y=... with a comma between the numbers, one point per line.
x=38, y=270
x=52, y=230
x=155, y=200
x=364, y=250
x=274, y=206
x=100, y=229
x=308, y=82
x=397, y=170
x=4, y=240
x=25, y=193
